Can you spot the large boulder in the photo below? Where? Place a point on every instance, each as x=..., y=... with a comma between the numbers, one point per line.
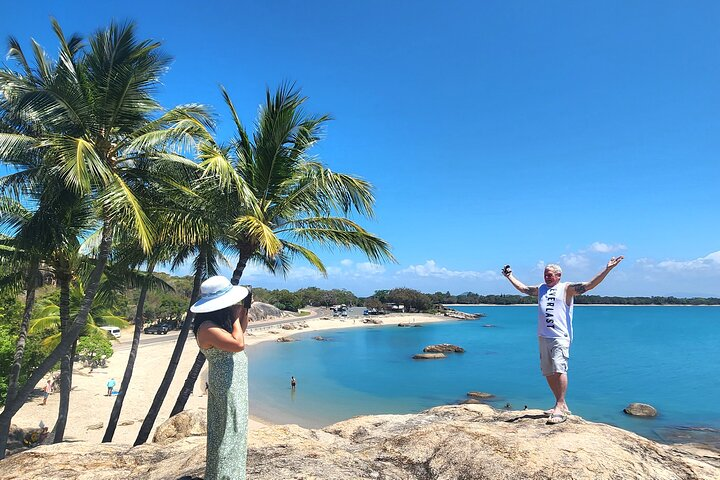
x=262, y=311
x=640, y=410
x=184, y=424
x=469, y=442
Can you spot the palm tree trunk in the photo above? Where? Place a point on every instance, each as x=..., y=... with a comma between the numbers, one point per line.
x=30, y=287
x=31, y=284
x=245, y=252
x=189, y=384
x=66, y=360
x=13, y=405
x=200, y=359
x=127, y=376
x=154, y=410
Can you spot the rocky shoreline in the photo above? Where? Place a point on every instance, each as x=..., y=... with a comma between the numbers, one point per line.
x=469, y=442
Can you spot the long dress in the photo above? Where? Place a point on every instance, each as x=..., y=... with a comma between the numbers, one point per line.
x=227, y=415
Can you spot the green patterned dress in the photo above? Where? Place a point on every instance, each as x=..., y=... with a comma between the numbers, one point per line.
x=227, y=414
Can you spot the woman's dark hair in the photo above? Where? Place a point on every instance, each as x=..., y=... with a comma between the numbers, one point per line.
x=222, y=318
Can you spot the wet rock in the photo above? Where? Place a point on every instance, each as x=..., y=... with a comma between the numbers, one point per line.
x=428, y=356
x=480, y=395
x=640, y=410
x=443, y=348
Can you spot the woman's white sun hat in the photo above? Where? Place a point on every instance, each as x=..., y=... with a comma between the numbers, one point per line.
x=217, y=293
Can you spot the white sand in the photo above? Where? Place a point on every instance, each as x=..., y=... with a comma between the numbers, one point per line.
x=89, y=406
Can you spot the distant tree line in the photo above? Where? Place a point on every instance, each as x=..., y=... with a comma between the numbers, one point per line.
x=172, y=304
x=470, y=298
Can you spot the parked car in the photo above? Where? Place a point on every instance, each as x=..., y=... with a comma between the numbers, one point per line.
x=158, y=328
x=114, y=331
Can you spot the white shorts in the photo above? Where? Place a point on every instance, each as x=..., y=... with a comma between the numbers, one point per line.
x=554, y=355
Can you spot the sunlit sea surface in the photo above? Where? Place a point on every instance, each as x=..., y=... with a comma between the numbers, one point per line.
x=668, y=357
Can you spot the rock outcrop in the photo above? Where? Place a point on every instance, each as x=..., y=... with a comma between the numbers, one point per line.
x=640, y=410
x=428, y=356
x=261, y=311
x=443, y=348
x=480, y=395
x=184, y=424
x=469, y=442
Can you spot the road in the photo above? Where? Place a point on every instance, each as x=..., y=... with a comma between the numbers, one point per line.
x=150, y=339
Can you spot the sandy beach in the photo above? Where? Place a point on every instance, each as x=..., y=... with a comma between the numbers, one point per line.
x=90, y=407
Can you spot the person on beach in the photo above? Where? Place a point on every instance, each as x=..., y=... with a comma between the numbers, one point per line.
x=219, y=326
x=47, y=390
x=293, y=383
x=555, y=310
x=110, y=385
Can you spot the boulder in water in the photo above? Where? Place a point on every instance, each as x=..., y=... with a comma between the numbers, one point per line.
x=640, y=410
x=428, y=356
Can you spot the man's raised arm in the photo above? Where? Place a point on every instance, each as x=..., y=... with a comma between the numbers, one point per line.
x=582, y=287
x=521, y=287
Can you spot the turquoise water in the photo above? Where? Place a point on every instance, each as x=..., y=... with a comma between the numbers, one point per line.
x=666, y=356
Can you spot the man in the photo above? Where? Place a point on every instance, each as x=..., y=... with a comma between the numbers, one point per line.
x=555, y=310
x=47, y=390
x=110, y=385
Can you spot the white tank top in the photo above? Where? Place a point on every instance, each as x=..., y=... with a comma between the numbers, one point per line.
x=554, y=315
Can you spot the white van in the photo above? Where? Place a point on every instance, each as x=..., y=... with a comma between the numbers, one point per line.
x=114, y=331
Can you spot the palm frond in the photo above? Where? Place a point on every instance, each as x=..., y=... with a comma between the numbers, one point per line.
x=259, y=233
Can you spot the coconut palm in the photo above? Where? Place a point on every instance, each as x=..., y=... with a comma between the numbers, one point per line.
x=196, y=235
x=100, y=120
x=21, y=272
x=273, y=200
x=48, y=316
x=50, y=232
x=131, y=254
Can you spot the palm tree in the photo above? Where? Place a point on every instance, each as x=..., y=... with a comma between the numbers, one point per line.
x=49, y=320
x=271, y=198
x=100, y=121
x=148, y=281
x=22, y=272
x=52, y=231
x=196, y=234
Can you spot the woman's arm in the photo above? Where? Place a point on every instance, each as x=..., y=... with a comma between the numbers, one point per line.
x=210, y=335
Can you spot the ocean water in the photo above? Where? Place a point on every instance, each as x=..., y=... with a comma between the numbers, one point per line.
x=665, y=356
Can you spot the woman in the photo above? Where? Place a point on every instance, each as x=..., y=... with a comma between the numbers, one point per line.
x=219, y=326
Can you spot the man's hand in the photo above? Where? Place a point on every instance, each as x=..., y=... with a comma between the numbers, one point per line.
x=582, y=287
x=614, y=262
x=507, y=271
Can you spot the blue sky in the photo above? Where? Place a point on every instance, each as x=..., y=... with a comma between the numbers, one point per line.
x=494, y=132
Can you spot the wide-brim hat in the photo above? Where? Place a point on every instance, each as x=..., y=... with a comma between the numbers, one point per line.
x=217, y=293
